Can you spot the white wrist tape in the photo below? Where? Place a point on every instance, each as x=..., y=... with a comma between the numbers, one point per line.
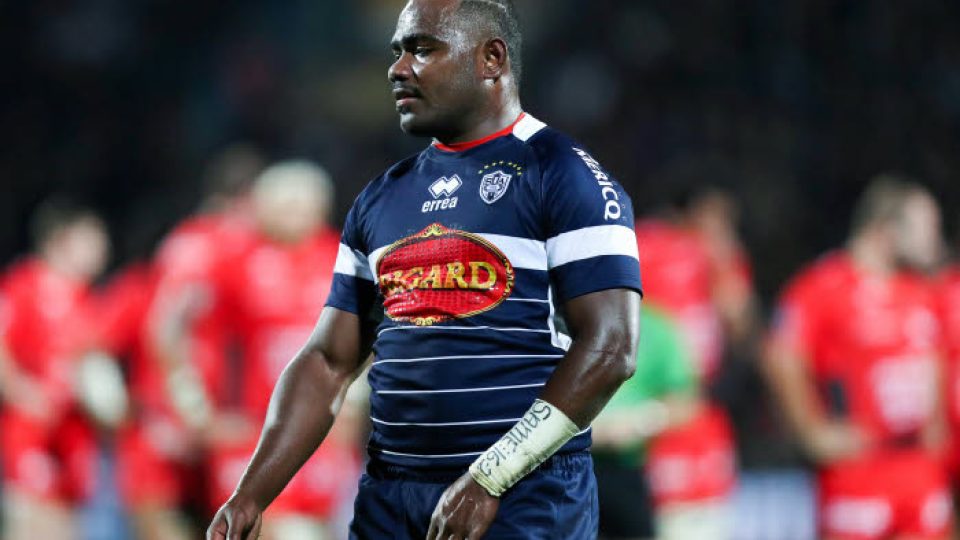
x=541, y=432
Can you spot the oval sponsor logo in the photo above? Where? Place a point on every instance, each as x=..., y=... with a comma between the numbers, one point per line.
x=441, y=274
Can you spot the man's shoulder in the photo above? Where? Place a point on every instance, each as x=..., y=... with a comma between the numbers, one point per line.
x=401, y=167
x=547, y=142
x=393, y=172
x=560, y=153
x=827, y=277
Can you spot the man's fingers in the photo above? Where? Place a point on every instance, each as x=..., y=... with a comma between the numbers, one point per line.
x=236, y=524
x=254, y=533
x=218, y=529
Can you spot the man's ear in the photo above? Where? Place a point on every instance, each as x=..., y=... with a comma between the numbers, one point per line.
x=494, y=59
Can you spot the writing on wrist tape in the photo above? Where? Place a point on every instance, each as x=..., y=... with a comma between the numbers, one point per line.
x=541, y=432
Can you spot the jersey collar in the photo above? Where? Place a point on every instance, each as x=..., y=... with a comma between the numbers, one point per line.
x=460, y=147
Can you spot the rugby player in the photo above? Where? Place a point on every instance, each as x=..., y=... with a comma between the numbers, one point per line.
x=270, y=294
x=691, y=261
x=452, y=266
x=155, y=453
x=662, y=394
x=186, y=333
x=47, y=325
x=948, y=296
x=855, y=360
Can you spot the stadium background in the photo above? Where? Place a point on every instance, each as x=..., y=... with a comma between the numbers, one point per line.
x=791, y=105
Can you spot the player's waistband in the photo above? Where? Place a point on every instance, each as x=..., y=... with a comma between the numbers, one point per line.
x=562, y=464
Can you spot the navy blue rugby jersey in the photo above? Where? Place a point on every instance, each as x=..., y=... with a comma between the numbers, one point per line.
x=468, y=254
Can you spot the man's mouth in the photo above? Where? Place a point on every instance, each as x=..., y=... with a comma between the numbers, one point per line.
x=405, y=96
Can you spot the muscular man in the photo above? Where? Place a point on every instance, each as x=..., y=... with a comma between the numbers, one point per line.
x=452, y=266
x=854, y=358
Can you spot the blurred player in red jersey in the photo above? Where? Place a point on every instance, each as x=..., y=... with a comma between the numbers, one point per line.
x=271, y=294
x=184, y=349
x=185, y=331
x=855, y=360
x=155, y=448
x=47, y=325
x=695, y=269
x=948, y=296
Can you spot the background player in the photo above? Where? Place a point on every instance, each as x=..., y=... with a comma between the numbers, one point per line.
x=854, y=359
x=186, y=333
x=156, y=453
x=47, y=324
x=270, y=293
x=457, y=361
x=662, y=394
x=948, y=297
x=695, y=269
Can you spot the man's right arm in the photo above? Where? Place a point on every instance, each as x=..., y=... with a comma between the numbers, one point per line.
x=302, y=409
x=825, y=440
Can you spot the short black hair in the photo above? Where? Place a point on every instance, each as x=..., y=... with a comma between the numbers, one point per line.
x=56, y=214
x=499, y=19
x=232, y=171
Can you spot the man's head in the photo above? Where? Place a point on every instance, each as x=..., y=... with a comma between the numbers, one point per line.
x=291, y=199
x=903, y=216
x=230, y=174
x=71, y=238
x=456, y=62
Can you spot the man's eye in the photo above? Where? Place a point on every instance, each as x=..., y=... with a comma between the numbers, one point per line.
x=421, y=51
x=396, y=55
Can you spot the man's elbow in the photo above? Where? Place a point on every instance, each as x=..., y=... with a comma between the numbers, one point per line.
x=626, y=366
x=619, y=362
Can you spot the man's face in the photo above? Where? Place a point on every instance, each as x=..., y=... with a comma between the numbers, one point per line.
x=85, y=246
x=917, y=233
x=435, y=77
x=289, y=213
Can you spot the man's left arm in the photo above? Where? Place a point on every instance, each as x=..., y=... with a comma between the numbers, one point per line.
x=606, y=328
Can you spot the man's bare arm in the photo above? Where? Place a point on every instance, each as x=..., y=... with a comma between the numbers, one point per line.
x=21, y=391
x=302, y=409
x=824, y=439
x=606, y=328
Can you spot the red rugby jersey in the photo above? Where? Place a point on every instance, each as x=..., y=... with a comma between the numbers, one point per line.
x=47, y=321
x=187, y=264
x=872, y=344
x=272, y=295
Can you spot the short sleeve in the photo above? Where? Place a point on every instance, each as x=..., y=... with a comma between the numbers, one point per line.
x=6, y=313
x=353, y=289
x=591, y=245
x=796, y=321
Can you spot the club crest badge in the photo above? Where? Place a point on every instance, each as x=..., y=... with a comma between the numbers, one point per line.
x=493, y=186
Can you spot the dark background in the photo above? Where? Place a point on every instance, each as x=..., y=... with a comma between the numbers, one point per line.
x=791, y=104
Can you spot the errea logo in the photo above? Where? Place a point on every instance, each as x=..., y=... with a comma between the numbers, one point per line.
x=446, y=187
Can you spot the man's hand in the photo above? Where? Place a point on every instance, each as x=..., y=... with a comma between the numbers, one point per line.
x=28, y=396
x=238, y=519
x=464, y=512
x=834, y=441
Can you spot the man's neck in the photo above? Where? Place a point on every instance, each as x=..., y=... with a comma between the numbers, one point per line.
x=870, y=256
x=501, y=119
x=60, y=266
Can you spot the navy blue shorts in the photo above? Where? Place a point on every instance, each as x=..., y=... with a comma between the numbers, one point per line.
x=557, y=501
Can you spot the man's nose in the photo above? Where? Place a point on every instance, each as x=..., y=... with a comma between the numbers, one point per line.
x=400, y=70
